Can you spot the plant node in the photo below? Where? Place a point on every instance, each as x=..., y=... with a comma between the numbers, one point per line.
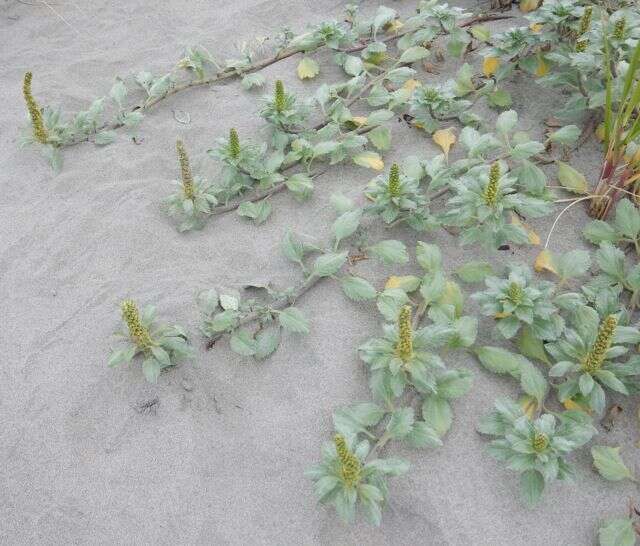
x=185, y=170
x=350, y=465
x=595, y=358
x=39, y=130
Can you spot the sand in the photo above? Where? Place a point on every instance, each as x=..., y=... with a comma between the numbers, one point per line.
x=215, y=452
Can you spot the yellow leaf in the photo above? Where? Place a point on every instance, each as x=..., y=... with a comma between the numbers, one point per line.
x=445, y=138
x=542, y=67
x=504, y=314
x=535, y=27
x=490, y=65
x=571, y=179
x=372, y=160
x=452, y=295
x=307, y=69
x=600, y=132
x=359, y=120
x=534, y=238
x=407, y=282
x=544, y=261
x=573, y=405
x=410, y=85
x=394, y=26
x=529, y=405
x=529, y=5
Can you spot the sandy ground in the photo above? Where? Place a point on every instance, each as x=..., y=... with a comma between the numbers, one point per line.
x=220, y=458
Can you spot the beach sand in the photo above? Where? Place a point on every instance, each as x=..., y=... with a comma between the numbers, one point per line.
x=215, y=452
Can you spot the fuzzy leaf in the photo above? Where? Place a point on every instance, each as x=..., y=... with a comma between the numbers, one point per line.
x=329, y=264
x=474, y=271
x=293, y=320
x=571, y=179
x=531, y=486
x=617, y=532
x=609, y=464
x=437, y=413
x=390, y=252
x=445, y=138
x=307, y=68
x=357, y=289
x=371, y=160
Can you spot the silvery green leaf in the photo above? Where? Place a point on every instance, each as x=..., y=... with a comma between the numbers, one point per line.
x=229, y=302
x=259, y=211
x=390, y=301
x=437, y=413
x=118, y=357
x=345, y=503
x=132, y=119
x=568, y=134
x=500, y=98
x=292, y=247
x=266, y=343
x=506, y=122
x=531, y=177
x=526, y=150
x=329, y=264
x=104, y=137
x=532, y=381
x=161, y=356
x=400, y=422
x=357, y=289
x=118, y=92
x=357, y=418
x=627, y=219
x=428, y=256
x=617, y=532
x=572, y=264
x=293, y=320
x=390, y=252
x=611, y=260
x=379, y=116
x=223, y=321
x=422, y=435
x=390, y=466
x=160, y=86
x=242, y=342
x=400, y=75
x=531, y=486
x=341, y=203
x=598, y=231
x=433, y=287
x=346, y=224
x=475, y=271
x=531, y=345
x=609, y=463
x=380, y=137
x=252, y=80
x=383, y=16
x=353, y=65
x=414, y=54
x=454, y=383
x=300, y=185
x=54, y=155
x=500, y=361
x=151, y=369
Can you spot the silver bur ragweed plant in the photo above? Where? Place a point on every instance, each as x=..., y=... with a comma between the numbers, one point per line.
x=282, y=110
x=194, y=198
x=160, y=345
x=518, y=301
x=535, y=448
x=588, y=358
x=346, y=480
x=398, y=198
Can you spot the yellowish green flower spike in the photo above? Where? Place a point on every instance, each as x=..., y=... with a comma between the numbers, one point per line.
x=280, y=100
x=394, y=181
x=491, y=192
x=585, y=21
x=618, y=30
x=540, y=442
x=350, y=465
x=595, y=358
x=581, y=46
x=139, y=334
x=185, y=170
x=404, y=348
x=234, y=144
x=39, y=130
x=515, y=293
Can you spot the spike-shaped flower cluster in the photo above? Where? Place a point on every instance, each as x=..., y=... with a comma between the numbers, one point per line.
x=619, y=28
x=491, y=191
x=280, y=98
x=185, y=170
x=234, y=144
x=405, y=335
x=585, y=20
x=581, y=46
x=350, y=465
x=394, y=181
x=595, y=358
x=39, y=130
x=139, y=334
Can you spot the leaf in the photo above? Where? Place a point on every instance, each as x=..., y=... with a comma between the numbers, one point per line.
x=357, y=418
x=534, y=238
x=490, y=65
x=422, y=435
x=400, y=422
x=118, y=92
x=617, y=532
x=371, y=160
x=531, y=345
x=445, y=138
x=481, y=33
x=531, y=486
x=353, y=65
x=307, y=68
x=533, y=382
x=571, y=179
x=454, y=383
x=259, y=211
x=329, y=264
x=267, y=342
x=300, y=185
x=500, y=361
x=242, y=342
x=414, y=54
x=475, y=271
x=609, y=464
x=390, y=252
x=408, y=283
x=151, y=369
x=252, y=80
x=292, y=248
x=293, y=320
x=529, y=5
x=105, y=137
x=500, y=98
x=506, y=122
x=380, y=137
x=544, y=262
x=437, y=413
x=358, y=289
x=346, y=224
x=567, y=135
